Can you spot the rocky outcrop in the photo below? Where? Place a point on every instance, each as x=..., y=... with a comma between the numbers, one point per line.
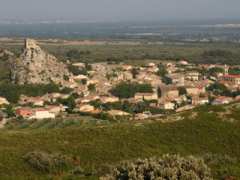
x=35, y=66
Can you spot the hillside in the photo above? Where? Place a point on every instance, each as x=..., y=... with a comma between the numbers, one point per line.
x=208, y=132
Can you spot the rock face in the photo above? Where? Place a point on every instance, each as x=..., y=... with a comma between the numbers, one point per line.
x=35, y=66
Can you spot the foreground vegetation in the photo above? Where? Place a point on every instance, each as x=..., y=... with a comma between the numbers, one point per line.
x=209, y=132
x=166, y=167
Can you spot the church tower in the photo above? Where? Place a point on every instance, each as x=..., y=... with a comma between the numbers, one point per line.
x=226, y=68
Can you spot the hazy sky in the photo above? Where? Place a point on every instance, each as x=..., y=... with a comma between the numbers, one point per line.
x=119, y=10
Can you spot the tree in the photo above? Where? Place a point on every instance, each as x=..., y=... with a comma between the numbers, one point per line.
x=12, y=91
x=69, y=102
x=84, y=81
x=159, y=92
x=162, y=70
x=73, y=54
x=9, y=111
x=88, y=66
x=134, y=72
x=219, y=89
x=76, y=70
x=182, y=91
x=91, y=87
x=215, y=70
x=128, y=90
x=166, y=80
x=234, y=70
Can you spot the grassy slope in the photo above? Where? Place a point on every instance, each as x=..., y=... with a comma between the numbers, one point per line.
x=109, y=144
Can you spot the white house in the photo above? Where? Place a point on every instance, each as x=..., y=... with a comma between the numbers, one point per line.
x=3, y=101
x=42, y=114
x=168, y=106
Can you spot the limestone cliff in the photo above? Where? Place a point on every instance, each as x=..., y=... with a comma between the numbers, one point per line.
x=35, y=66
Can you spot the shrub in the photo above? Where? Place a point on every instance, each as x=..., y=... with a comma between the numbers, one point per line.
x=69, y=102
x=166, y=167
x=219, y=89
x=47, y=163
x=167, y=80
x=162, y=71
x=73, y=54
x=182, y=90
x=91, y=87
x=76, y=70
x=9, y=111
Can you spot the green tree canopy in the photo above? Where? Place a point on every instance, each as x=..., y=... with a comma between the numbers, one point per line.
x=128, y=90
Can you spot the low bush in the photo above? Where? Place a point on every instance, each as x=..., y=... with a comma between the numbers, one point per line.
x=166, y=167
x=47, y=163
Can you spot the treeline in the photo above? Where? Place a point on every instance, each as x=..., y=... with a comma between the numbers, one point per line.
x=194, y=54
x=12, y=92
x=219, y=56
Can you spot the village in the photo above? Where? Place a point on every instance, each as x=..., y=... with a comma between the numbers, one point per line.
x=108, y=90
x=113, y=90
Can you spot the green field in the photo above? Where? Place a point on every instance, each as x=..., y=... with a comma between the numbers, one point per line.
x=194, y=52
x=203, y=132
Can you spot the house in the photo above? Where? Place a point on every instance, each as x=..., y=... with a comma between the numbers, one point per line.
x=127, y=76
x=151, y=64
x=199, y=100
x=80, y=77
x=183, y=62
x=177, y=79
x=79, y=65
x=168, y=105
x=222, y=100
x=126, y=67
x=185, y=108
x=35, y=101
x=146, y=96
x=117, y=113
x=37, y=113
x=237, y=98
x=123, y=76
x=38, y=102
x=89, y=99
x=55, y=109
x=52, y=97
x=86, y=108
x=141, y=116
x=108, y=99
x=235, y=79
x=24, y=112
x=195, y=91
x=181, y=99
x=3, y=101
x=42, y=114
x=192, y=76
x=170, y=92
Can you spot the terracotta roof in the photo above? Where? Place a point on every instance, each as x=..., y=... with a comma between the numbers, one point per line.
x=231, y=76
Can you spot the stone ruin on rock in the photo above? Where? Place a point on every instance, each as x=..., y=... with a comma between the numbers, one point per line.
x=35, y=66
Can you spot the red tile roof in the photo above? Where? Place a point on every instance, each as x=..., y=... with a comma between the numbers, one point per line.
x=231, y=76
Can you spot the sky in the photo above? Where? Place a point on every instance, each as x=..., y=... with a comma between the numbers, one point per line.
x=118, y=10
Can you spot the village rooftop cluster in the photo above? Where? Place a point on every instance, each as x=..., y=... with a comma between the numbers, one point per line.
x=111, y=90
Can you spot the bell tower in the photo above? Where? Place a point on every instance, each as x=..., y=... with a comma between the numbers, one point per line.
x=226, y=68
